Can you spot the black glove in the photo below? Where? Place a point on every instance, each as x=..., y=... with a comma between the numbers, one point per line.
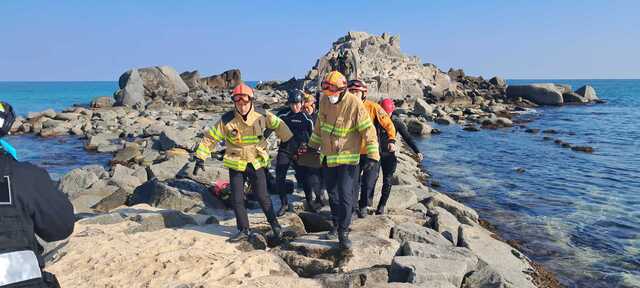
x=370, y=165
x=199, y=166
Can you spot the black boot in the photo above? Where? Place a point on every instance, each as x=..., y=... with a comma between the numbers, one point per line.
x=242, y=235
x=312, y=207
x=343, y=238
x=277, y=230
x=284, y=207
x=362, y=212
x=380, y=210
x=333, y=233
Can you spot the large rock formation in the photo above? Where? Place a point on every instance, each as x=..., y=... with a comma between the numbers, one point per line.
x=541, y=94
x=378, y=61
x=136, y=85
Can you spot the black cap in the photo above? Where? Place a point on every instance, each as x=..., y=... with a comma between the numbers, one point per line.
x=296, y=96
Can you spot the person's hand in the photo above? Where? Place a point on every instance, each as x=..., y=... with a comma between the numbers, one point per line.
x=392, y=147
x=420, y=157
x=199, y=166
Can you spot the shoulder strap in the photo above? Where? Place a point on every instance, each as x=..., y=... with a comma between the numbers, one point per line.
x=261, y=111
x=228, y=116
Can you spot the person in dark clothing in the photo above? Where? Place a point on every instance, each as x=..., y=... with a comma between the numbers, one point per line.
x=388, y=160
x=30, y=205
x=301, y=125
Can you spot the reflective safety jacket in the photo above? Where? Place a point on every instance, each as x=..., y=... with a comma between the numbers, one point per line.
x=341, y=129
x=246, y=139
x=384, y=126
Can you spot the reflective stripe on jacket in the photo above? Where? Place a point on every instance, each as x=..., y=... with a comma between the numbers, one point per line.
x=245, y=139
x=341, y=129
x=381, y=121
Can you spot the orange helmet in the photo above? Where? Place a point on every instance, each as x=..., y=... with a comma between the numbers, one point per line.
x=242, y=89
x=334, y=82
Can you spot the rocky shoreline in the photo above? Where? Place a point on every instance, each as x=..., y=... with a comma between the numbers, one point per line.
x=149, y=213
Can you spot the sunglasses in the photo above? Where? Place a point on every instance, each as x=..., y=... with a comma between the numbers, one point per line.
x=240, y=98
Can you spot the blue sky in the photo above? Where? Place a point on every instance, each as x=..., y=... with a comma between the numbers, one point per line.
x=98, y=40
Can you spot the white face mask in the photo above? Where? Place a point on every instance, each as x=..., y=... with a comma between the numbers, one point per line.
x=334, y=99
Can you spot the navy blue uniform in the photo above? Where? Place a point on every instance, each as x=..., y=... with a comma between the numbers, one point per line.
x=301, y=125
x=30, y=205
x=388, y=160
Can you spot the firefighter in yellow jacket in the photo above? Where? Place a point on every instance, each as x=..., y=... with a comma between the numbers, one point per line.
x=370, y=170
x=245, y=131
x=342, y=126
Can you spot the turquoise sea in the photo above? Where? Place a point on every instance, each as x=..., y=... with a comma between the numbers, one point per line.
x=576, y=213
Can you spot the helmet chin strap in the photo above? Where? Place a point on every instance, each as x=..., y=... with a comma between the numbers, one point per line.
x=244, y=116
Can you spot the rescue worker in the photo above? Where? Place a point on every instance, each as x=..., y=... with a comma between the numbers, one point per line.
x=388, y=159
x=315, y=166
x=245, y=131
x=343, y=125
x=30, y=205
x=370, y=169
x=301, y=126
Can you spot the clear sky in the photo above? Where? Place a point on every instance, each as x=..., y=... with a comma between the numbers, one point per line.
x=98, y=40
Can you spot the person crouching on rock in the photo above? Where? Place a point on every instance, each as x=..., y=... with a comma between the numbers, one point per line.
x=388, y=159
x=370, y=168
x=245, y=131
x=342, y=125
x=30, y=205
x=307, y=172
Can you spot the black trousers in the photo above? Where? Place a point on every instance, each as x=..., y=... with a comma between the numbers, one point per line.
x=309, y=177
x=366, y=183
x=258, y=182
x=388, y=162
x=339, y=182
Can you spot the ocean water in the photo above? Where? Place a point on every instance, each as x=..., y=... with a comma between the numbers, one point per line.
x=576, y=213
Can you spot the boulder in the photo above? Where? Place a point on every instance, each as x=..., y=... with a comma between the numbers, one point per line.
x=367, y=277
x=101, y=139
x=498, y=81
x=130, y=152
x=428, y=271
x=378, y=61
x=303, y=265
x=445, y=120
x=445, y=223
x=541, y=94
x=511, y=264
x=161, y=195
x=422, y=108
x=463, y=213
x=173, y=138
x=131, y=90
x=414, y=232
x=574, y=98
x=403, y=197
x=487, y=277
x=168, y=169
x=225, y=80
x=417, y=127
x=102, y=102
x=192, y=79
x=161, y=82
x=588, y=93
x=77, y=181
x=424, y=250
x=213, y=170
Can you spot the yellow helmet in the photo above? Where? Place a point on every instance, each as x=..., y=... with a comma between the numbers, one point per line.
x=334, y=78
